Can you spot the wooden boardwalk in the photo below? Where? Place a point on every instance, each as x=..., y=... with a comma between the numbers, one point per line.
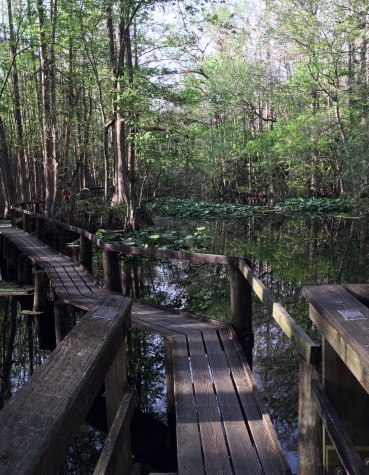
x=222, y=426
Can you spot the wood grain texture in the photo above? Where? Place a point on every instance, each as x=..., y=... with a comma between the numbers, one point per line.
x=44, y=416
x=260, y=426
x=216, y=455
x=109, y=461
x=237, y=435
x=348, y=454
x=189, y=454
x=348, y=338
x=222, y=426
x=310, y=456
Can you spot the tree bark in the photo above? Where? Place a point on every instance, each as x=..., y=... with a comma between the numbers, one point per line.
x=9, y=193
x=23, y=182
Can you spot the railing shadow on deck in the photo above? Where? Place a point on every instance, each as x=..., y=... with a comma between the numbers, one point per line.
x=313, y=407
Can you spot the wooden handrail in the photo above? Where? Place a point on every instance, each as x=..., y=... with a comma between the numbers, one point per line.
x=58, y=396
x=304, y=344
x=346, y=450
x=308, y=349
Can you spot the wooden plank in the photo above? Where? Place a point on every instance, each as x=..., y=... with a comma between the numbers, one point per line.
x=346, y=450
x=310, y=458
x=242, y=453
x=39, y=423
x=12, y=288
x=265, y=439
x=344, y=322
x=174, y=314
x=180, y=327
x=359, y=291
x=108, y=463
x=189, y=454
x=158, y=330
x=215, y=450
x=349, y=400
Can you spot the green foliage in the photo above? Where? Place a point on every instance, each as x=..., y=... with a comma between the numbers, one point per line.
x=203, y=210
x=189, y=239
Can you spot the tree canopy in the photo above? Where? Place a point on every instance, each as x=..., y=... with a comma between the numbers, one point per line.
x=211, y=100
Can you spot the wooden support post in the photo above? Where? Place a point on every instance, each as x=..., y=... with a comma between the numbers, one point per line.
x=111, y=271
x=351, y=403
x=12, y=262
x=171, y=413
x=26, y=219
x=85, y=252
x=57, y=239
x=40, y=228
x=13, y=217
x=25, y=276
x=241, y=311
x=309, y=424
x=44, y=319
x=63, y=324
x=116, y=385
x=3, y=269
x=126, y=277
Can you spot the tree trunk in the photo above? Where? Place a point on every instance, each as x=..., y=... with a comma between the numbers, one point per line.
x=9, y=193
x=24, y=189
x=47, y=67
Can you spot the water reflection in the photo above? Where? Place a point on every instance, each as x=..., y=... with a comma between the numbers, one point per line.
x=286, y=254
x=20, y=353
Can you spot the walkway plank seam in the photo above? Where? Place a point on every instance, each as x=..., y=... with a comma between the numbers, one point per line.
x=222, y=426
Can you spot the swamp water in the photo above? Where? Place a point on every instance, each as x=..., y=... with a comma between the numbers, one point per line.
x=285, y=253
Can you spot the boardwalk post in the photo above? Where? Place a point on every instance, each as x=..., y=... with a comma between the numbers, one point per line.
x=309, y=425
x=126, y=277
x=13, y=216
x=116, y=385
x=44, y=321
x=24, y=270
x=3, y=267
x=26, y=219
x=171, y=412
x=40, y=228
x=12, y=262
x=85, y=252
x=63, y=324
x=241, y=310
x=111, y=270
x=350, y=401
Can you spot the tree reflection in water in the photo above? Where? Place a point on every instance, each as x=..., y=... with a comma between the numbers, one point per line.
x=285, y=253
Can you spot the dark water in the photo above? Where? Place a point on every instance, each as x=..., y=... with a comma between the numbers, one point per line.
x=286, y=255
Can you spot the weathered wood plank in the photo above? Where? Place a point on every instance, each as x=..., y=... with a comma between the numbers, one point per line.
x=265, y=439
x=108, y=463
x=216, y=454
x=238, y=438
x=359, y=291
x=189, y=454
x=344, y=322
x=310, y=458
x=12, y=288
x=348, y=454
x=44, y=416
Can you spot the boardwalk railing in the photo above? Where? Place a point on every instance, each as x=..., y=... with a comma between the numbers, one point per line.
x=243, y=281
x=51, y=408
